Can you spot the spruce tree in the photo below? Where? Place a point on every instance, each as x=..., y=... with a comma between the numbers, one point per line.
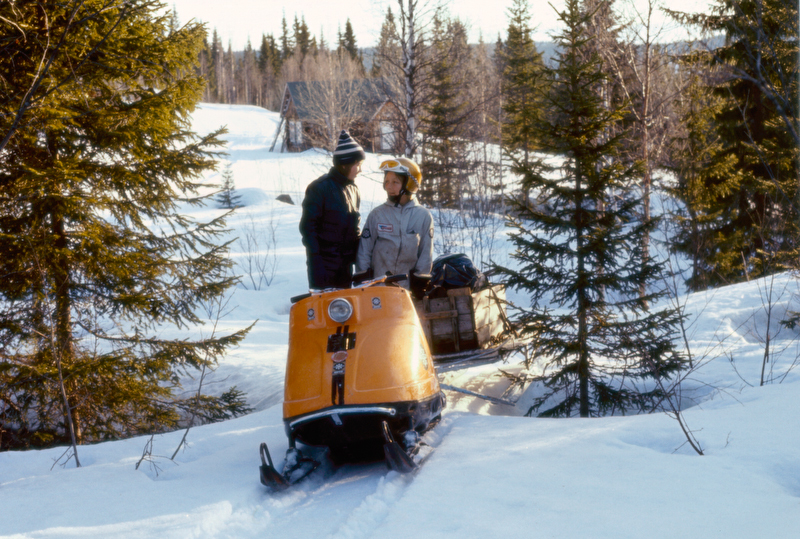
x=347, y=44
x=248, y=78
x=203, y=68
x=97, y=257
x=269, y=56
x=445, y=156
x=269, y=69
x=287, y=43
x=387, y=47
x=302, y=37
x=499, y=55
x=523, y=80
x=758, y=230
x=229, y=88
x=704, y=173
x=215, y=74
x=174, y=20
x=579, y=258
x=227, y=197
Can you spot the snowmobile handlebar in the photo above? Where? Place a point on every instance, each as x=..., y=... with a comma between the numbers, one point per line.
x=383, y=280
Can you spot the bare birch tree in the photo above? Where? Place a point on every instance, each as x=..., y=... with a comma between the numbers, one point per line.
x=643, y=76
x=413, y=64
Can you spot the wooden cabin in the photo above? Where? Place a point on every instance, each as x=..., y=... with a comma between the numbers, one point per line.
x=364, y=107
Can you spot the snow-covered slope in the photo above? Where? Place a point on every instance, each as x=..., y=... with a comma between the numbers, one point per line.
x=494, y=473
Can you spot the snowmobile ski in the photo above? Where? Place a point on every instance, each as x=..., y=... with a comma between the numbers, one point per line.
x=296, y=467
x=404, y=460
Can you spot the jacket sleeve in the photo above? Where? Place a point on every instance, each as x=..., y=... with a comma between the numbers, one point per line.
x=366, y=244
x=311, y=221
x=425, y=252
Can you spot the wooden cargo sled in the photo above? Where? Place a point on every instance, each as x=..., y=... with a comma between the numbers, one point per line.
x=465, y=327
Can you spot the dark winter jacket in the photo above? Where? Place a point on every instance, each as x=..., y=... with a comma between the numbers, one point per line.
x=330, y=230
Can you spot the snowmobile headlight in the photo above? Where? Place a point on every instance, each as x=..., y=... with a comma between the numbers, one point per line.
x=340, y=310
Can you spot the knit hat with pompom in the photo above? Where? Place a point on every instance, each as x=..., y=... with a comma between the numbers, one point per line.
x=347, y=150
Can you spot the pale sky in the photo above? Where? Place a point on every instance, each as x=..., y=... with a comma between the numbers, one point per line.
x=236, y=20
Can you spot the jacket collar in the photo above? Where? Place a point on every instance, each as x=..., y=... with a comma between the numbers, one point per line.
x=410, y=204
x=339, y=178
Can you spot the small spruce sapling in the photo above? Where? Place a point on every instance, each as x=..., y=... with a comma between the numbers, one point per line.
x=228, y=198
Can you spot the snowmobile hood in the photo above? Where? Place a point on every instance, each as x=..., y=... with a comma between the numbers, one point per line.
x=359, y=346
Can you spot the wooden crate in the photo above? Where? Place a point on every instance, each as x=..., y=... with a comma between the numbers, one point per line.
x=464, y=320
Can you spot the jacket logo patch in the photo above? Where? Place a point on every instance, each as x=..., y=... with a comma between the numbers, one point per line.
x=382, y=227
x=365, y=233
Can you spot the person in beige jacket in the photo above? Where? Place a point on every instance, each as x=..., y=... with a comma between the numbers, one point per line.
x=398, y=235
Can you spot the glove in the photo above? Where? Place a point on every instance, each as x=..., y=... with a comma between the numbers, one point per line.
x=418, y=282
x=364, y=276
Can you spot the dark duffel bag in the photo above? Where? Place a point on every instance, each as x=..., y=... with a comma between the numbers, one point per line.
x=455, y=271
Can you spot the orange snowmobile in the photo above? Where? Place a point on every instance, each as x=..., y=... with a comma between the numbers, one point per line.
x=360, y=380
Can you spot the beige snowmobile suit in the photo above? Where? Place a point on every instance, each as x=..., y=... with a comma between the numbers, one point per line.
x=396, y=239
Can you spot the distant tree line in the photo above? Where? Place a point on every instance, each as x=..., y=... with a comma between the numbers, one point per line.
x=258, y=76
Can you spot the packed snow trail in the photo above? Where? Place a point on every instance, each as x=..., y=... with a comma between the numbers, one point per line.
x=353, y=499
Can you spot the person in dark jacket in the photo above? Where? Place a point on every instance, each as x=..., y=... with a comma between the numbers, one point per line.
x=331, y=218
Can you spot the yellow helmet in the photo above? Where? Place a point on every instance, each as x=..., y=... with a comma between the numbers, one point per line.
x=406, y=167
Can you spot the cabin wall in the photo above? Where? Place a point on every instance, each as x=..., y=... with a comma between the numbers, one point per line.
x=382, y=134
x=387, y=130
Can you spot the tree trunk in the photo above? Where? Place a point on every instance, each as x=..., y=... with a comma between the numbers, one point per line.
x=62, y=346
x=583, y=306
x=409, y=72
x=646, y=180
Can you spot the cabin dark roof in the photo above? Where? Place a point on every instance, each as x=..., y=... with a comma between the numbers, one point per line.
x=370, y=95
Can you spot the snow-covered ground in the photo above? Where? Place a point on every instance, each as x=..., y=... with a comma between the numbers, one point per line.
x=494, y=473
